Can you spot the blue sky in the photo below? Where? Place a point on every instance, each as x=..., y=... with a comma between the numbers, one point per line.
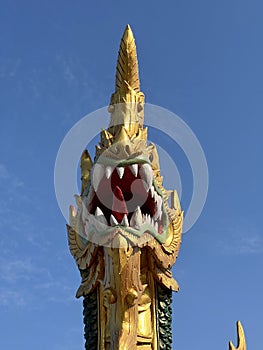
x=200, y=59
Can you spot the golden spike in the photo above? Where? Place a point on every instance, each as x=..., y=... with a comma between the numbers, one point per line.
x=127, y=65
x=126, y=106
x=105, y=138
x=241, y=340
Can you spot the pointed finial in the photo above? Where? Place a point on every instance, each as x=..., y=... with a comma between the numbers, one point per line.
x=127, y=102
x=240, y=339
x=127, y=71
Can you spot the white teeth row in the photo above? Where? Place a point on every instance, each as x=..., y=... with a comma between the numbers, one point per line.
x=158, y=204
x=146, y=173
x=148, y=220
x=137, y=219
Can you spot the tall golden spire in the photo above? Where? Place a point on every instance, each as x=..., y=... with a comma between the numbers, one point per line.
x=126, y=106
x=127, y=71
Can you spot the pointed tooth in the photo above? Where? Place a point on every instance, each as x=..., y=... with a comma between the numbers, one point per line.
x=99, y=212
x=113, y=220
x=134, y=169
x=120, y=171
x=146, y=174
x=159, y=203
x=98, y=172
x=158, y=214
x=100, y=216
x=148, y=219
x=125, y=221
x=108, y=171
x=156, y=226
x=152, y=191
x=160, y=207
x=136, y=219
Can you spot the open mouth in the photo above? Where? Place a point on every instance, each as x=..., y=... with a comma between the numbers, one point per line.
x=125, y=196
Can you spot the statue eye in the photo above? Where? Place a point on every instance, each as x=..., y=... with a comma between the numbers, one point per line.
x=151, y=157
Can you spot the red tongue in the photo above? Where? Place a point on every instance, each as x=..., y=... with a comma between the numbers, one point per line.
x=119, y=208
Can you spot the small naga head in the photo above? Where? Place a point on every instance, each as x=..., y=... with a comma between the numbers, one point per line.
x=122, y=192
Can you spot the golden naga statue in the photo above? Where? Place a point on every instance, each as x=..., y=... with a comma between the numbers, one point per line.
x=125, y=235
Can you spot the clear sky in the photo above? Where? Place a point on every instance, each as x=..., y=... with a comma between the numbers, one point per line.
x=200, y=59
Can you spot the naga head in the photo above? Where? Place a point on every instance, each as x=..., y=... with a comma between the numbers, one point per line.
x=125, y=236
x=122, y=192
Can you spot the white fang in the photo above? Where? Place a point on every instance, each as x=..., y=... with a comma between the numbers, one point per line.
x=136, y=219
x=147, y=176
x=108, y=172
x=113, y=220
x=98, y=212
x=120, y=171
x=125, y=221
x=134, y=169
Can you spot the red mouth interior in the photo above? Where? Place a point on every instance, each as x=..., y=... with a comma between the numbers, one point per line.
x=119, y=197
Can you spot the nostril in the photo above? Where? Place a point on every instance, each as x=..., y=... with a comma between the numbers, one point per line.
x=116, y=149
x=127, y=149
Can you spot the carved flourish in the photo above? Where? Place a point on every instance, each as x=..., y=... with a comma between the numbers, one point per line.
x=241, y=340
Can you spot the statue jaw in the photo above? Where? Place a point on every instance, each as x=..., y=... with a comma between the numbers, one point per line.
x=122, y=200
